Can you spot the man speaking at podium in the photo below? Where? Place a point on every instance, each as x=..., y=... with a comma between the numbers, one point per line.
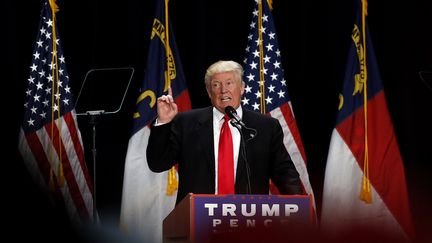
x=222, y=149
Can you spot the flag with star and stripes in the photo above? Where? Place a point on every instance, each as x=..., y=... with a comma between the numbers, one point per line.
x=267, y=91
x=49, y=140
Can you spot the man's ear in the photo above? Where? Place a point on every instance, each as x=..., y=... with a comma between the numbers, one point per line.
x=243, y=88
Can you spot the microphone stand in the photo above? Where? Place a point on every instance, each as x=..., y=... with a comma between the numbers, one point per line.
x=243, y=151
x=92, y=122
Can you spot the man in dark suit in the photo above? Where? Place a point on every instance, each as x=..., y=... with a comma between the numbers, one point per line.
x=191, y=139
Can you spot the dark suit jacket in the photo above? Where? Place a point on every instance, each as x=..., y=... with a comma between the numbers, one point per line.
x=188, y=141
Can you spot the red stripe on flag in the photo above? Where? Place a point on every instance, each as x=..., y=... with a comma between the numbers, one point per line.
x=39, y=155
x=386, y=171
x=292, y=124
x=74, y=189
x=70, y=122
x=44, y=167
x=183, y=101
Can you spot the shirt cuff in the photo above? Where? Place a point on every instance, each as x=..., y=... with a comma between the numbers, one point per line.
x=157, y=123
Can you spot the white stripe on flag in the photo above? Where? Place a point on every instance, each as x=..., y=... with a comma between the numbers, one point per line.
x=76, y=168
x=293, y=150
x=30, y=161
x=342, y=208
x=52, y=155
x=144, y=200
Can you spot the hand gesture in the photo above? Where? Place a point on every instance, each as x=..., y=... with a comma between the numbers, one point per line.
x=166, y=107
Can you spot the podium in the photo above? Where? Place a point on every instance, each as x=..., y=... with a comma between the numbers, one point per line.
x=239, y=218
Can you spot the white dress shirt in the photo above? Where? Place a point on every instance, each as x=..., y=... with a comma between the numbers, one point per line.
x=217, y=124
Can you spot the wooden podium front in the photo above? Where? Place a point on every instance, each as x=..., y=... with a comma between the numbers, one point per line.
x=242, y=218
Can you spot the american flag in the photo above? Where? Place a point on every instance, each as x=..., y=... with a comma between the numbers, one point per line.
x=269, y=93
x=49, y=141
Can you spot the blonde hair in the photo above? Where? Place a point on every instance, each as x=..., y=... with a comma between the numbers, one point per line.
x=221, y=67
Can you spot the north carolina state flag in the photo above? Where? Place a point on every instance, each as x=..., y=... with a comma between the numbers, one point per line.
x=365, y=194
x=148, y=197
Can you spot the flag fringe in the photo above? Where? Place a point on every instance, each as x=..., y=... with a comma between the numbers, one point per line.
x=172, y=181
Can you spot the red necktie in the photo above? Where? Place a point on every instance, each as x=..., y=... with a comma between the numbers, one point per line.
x=225, y=160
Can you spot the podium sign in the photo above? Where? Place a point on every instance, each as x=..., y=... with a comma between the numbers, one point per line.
x=213, y=218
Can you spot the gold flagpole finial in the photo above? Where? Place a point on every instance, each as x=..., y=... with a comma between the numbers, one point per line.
x=270, y=4
x=365, y=7
x=54, y=6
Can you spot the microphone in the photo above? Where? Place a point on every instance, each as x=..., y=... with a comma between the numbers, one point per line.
x=237, y=122
x=232, y=113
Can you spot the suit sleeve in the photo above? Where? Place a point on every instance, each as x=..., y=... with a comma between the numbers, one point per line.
x=162, y=148
x=283, y=172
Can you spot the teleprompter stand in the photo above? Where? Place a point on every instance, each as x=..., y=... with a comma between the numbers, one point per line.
x=102, y=93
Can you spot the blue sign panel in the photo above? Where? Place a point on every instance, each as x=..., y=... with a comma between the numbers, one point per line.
x=216, y=216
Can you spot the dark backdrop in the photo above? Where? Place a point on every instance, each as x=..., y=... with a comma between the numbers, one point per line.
x=313, y=36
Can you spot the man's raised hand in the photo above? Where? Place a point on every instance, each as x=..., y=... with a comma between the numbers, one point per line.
x=166, y=107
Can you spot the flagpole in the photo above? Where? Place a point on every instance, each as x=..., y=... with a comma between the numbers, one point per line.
x=261, y=53
x=365, y=193
x=50, y=142
x=172, y=180
x=167, y=48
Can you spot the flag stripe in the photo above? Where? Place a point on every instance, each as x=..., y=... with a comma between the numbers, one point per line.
x=144, y=200
x=338, y=217
x=78, y=154
x=76, y=182
x=38, y=164
x=69, y=175
x=293, y=149
x=183, y=101
x=69, y=189
x=289, y=119
x=79, y=169
x=385, y=151
x=38, y=154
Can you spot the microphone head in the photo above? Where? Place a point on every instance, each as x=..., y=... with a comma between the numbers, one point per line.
x=229, y=110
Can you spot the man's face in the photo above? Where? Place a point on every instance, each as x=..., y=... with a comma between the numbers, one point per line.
x=225, y=89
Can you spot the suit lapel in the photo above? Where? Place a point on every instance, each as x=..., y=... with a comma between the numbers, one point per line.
x=204, y=128
x=249, y=121
x=241, y=176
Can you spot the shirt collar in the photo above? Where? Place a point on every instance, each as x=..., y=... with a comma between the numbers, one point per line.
x=219, y=115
